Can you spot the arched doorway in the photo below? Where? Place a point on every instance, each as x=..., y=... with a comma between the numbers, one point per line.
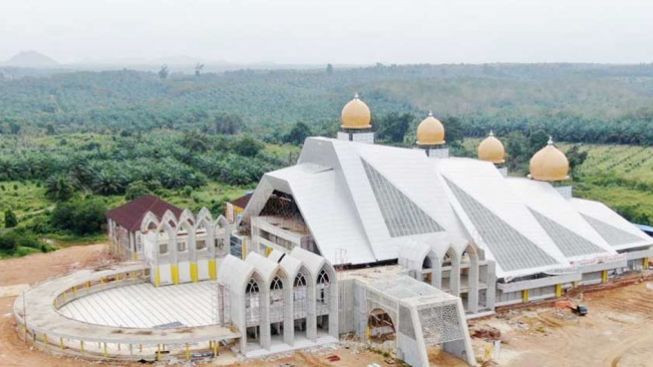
x=380, y=327
x=451, y=272
x=276, y=306
x=323, y=299
x=253, y=310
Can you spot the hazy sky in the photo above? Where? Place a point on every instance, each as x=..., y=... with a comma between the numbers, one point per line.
x=337, y=31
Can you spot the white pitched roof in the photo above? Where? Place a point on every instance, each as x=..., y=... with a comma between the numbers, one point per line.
x=372, y=200
x=617, y=231
x=554, y=211
x=498, y=220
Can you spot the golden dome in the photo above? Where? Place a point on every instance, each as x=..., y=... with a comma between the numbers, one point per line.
x=430, y=131
x=491, y=150
x=356, y=115
x=549, y=164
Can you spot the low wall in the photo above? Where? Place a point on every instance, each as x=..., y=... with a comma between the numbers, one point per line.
x=40, y=323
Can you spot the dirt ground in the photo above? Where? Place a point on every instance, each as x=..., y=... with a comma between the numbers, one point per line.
x=618, y=331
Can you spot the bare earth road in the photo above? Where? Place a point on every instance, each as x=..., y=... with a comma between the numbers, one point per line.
x=618, y=331
x=29, y=270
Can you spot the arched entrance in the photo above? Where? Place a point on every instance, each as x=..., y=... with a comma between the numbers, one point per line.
x=380, y=327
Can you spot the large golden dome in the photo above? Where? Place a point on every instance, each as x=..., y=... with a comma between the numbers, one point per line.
x=549, y=164
x=430, y=131
x=491, y=149
x=356, y=115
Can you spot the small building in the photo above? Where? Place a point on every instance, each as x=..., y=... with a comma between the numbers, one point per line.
x=124, y=224
x=235, y=208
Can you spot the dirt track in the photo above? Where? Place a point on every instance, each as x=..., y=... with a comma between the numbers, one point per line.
x=617, y=332
x=29, y=270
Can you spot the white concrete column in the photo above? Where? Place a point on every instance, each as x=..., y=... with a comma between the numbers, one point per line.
x=266, y=333
x=491, y=282
x=473, y=284
x=454, y=277
x=288, y=313
x=311, y=310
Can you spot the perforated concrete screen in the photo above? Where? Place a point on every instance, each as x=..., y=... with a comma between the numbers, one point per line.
x=567, y=241
x=511, y=249
x=402, y=216
x=440, y=324
x=611, y=234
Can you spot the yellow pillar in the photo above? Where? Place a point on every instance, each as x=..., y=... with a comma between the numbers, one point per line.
x=215, y=348
x=187, y=352
x=524, y=295
x=213, y=274
x=244, y=249
x=81, y=346
x=174, y=270
x=61, y=343
x=194, y=275
x=268, y=250
x=558, y=290
x=604, y=276
x=157, y=276
x=645, y=263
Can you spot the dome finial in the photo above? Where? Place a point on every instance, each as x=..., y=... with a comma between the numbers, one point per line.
x=430, y=131
x=491, y=150
x=550, y=142
x=549, y=164
x=356, y=115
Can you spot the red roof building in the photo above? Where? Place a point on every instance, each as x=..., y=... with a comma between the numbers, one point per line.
x=125, y=222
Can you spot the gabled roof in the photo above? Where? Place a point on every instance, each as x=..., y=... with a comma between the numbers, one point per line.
x=130, y=215
x=242, y=201
x=365, y=203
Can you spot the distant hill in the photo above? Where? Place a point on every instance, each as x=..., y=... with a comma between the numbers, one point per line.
x=31, y=59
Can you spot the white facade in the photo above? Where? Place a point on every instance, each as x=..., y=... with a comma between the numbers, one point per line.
x=458, y=223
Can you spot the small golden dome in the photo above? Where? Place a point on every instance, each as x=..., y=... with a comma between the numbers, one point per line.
x=430, y=131
x=356, y=115
x=549, y=164
x=491, y=149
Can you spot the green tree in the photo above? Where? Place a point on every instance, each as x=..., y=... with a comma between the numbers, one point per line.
x=59, y=188
x=227, y=124
x=198, y=69
x=329, y=69
x=299, y=132
x=247, y=146
x=576, y=158
x=11, y=220
x=81, y=216
x=392, y=127
x=136, y=189
x=163, y=72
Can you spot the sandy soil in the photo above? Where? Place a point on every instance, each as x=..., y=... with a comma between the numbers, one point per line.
x=31, y=269
x=618, y=331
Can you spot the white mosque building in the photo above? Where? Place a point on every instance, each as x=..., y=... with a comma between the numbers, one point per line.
x=386, y=243
x=460, y=224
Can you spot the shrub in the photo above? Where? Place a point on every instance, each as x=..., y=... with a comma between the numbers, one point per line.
x=81, y=217
x=10, y=219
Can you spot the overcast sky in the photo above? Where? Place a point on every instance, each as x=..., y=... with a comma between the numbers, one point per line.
x=336, y=31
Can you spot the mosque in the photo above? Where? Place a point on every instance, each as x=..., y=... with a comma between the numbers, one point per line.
x=391, y=245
